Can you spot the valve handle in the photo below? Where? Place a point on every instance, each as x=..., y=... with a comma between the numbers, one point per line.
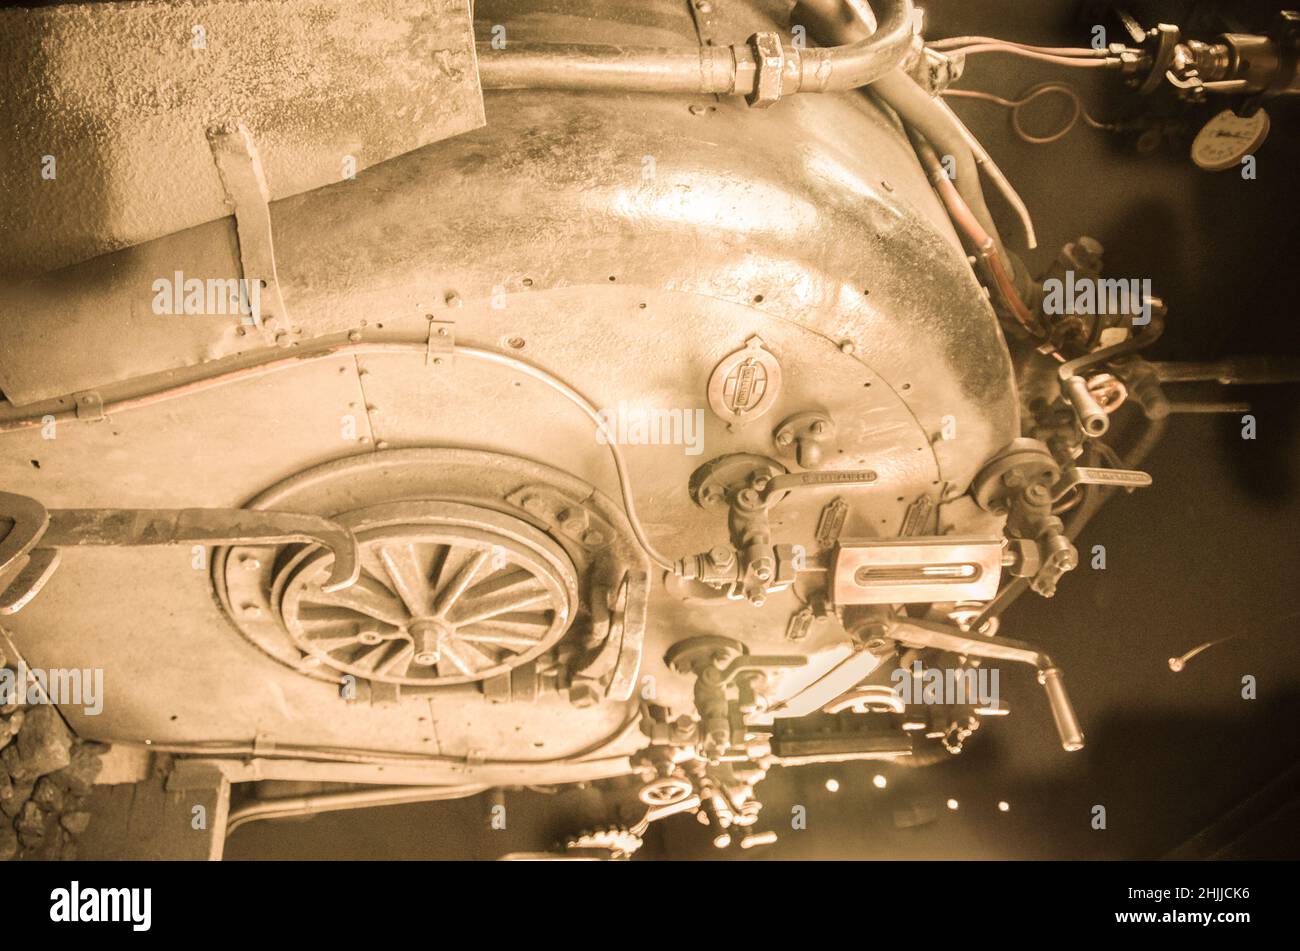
x=1093, y=475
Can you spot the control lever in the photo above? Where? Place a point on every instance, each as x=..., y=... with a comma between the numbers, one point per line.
x=914, y=632
x=23, y=572
x=70, y=528
x=790, y=481
x=1092, y=417
x=1073, y=476
x=24, y=568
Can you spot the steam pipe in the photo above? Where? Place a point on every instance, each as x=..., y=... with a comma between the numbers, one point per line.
x=836, y=21
x=335, y=802
x=708, y=69
x=725, y=70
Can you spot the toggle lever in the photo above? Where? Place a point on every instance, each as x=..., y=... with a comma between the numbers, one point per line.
x=1074, y=476
x=915, y=632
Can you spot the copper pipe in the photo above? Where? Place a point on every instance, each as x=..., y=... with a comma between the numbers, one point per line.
x=969, y=225
x=724, y=70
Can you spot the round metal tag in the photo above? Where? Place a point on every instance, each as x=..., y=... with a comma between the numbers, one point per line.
x=1227, y=138
x=744, y=385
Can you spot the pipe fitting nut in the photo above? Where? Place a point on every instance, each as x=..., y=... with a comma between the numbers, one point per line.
x=769, y=58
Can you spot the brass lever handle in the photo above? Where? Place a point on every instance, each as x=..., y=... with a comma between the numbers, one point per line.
x=1092, y=475
x=790, y=481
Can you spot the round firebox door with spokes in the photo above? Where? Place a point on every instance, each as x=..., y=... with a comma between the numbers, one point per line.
x=449, y=594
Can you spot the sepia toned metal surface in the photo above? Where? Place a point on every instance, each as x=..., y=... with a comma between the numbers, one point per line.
x=677, y=418
x=107, y=107
x=596, y=406
x=626, y=247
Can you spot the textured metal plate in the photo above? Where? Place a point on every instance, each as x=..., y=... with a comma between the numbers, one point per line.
x=120, y=95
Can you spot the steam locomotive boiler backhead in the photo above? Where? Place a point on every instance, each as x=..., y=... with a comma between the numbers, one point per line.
x=668, y=413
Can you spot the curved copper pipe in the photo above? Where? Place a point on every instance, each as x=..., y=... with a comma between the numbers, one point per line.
x=969, y=225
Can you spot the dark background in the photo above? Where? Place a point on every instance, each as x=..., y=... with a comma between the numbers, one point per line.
x=1182, y=764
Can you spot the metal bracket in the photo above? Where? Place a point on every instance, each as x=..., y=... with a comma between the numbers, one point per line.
x=565, y=515
x=804, y=436
x=441, y=346
x=242, y=177
x=831, y=522
x=704, y=13
x=619, y=660
x=23, y=571
x=90, y=406
x=30, y=520
x=27, y=583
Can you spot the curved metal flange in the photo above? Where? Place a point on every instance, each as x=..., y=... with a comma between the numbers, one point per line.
x=30, y=520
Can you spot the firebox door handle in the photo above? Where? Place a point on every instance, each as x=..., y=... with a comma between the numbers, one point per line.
x=70, y=528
